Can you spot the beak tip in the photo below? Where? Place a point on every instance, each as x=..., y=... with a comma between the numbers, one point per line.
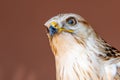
x=52, y=30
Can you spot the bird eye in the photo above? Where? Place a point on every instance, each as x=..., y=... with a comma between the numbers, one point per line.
x=71, y=21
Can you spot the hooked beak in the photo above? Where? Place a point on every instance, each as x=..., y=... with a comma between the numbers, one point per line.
x=55, y=28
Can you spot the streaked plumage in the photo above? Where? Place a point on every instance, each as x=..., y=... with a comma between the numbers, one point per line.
x=80, y=53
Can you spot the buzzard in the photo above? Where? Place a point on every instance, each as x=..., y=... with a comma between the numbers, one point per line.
x=80, y=53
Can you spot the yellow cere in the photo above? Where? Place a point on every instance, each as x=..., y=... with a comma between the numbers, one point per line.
x=60, y=29
x=54, y=24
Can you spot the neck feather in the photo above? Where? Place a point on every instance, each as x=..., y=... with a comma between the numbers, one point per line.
x=75, y=61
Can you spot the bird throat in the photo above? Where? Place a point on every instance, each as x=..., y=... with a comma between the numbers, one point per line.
x=73, y=62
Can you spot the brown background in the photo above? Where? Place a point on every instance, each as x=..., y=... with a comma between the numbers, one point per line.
x=24, y=49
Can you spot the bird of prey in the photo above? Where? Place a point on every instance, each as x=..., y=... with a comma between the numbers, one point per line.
x=80, y=53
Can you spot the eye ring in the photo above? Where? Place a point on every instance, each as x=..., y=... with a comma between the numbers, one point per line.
x=71, y=21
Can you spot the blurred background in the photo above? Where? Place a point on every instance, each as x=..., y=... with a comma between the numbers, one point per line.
x=25, y=53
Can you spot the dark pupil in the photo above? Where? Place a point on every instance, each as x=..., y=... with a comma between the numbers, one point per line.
x=70, y=21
